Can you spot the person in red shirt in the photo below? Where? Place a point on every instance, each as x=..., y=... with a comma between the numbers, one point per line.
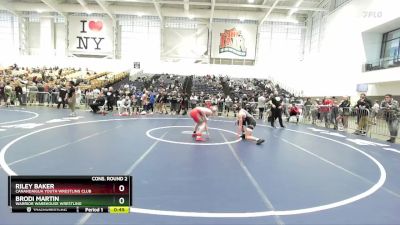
x=199, y=116
x=294, y=111
x=324, y=111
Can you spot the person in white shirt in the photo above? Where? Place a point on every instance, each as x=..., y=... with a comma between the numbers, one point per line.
x=261, y=106
x=8, y=93
x=125, y=106
x=78, y=94
x=374, y=111
x=214, y=100
x=228, y=104
x=96, y=93
x=193, y=101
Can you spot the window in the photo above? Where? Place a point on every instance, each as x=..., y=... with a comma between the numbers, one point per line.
x=281, y=41
x=393, y=35
x=8, y=32
x=339, y=3
x=390, y=49
x=316, y=25
x=140, y=37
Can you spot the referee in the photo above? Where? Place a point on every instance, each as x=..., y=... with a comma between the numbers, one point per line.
x=277, y=105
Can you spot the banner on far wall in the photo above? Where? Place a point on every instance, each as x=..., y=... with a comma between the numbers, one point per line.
x=90, y=35
x=234, y=41
x=185, y=43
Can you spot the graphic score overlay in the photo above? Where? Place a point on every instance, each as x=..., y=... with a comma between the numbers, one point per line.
x=70, y=194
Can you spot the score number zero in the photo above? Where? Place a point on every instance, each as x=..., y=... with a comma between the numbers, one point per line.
x=121, y=200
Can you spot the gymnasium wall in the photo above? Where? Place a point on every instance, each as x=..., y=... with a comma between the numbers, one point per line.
x=380, y=89
x=336, y=65
x=324, y=56
x=33, y=30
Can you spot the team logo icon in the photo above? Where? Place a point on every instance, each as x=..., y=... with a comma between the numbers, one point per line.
x=232, y=41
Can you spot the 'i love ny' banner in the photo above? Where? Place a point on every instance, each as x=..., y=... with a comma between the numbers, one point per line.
x=90, y=35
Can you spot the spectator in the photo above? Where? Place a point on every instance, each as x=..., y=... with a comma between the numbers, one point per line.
x=133, y=103
x=110, y=99
x=18, y=92
x=145, y=101
x=307, y=109
x=174, y=103
x=33, y=90
x=2, y=96
x=392, y=113
x=78, y=96
x=228, y=104
x=71, y=98
x=158, y=103
x=344, y=112
x=214, y=100
x=221, y=102
x=164, y=101
x=24, y=94
x=375, y=111
x=152, y=100
x=8, y=94
x=325, y=110
x=98, y=102
x=46, y=88
x=193, y=101
x=62, y=92
x=40, y=93
x=315, y=111
x=335, y=114
x=96, y=93
x=294, y=111
x=125, y=106
x=184, y=104
x=363, y=109
x=261, y=106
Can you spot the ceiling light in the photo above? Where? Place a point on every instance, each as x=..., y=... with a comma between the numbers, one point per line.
x=250, y=1
x=191, y=17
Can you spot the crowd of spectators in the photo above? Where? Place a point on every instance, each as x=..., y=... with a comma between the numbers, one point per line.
x=338, y=111
x=175, y=95
x=48, y=86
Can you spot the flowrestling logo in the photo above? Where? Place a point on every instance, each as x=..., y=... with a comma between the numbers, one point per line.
x=232, y=41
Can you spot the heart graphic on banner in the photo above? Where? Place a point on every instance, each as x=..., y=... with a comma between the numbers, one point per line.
x=95, y=25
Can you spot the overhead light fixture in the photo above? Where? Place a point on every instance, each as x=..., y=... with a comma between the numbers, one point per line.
x=296, y=7
x=298, y=3
x=39, y=10
x=88, y=12
x=191, y=17
x=250, y=1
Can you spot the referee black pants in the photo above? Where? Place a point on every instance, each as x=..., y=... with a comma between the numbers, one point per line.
x=276, y=113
